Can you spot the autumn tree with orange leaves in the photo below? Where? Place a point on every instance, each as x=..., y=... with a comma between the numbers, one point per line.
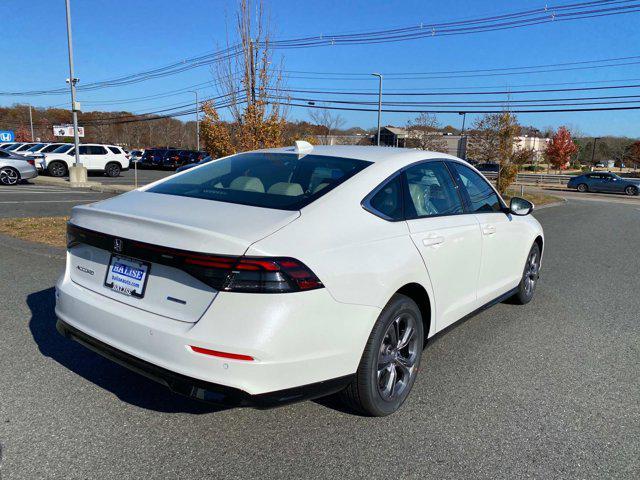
x=560, y=149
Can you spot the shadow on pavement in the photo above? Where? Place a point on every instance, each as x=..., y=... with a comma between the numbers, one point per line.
x=126, y=385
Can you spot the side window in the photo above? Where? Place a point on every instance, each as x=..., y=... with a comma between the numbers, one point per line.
x=115, y=150
x=431, y=191
x=84, y=150
x=3, y=154
x=97, y=150
x=481, y=196
x=387, y=201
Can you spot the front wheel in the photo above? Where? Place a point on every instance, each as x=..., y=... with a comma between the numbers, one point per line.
x=527, y=286
x=112, y=169
x=389, y=363
x=583, y=187
x=9, y=176
x=57, y=169
x=631, y=191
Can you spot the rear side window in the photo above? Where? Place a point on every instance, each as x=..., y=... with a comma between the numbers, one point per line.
x=115, y=150
x=271, y=180
x=431, y=191
x=482, y=198
x=387, y=201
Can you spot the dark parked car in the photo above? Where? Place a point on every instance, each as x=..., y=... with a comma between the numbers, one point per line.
x=488, y=167
x=153, y=157
x=605, y=182
x=206, y=159
x=178, y=158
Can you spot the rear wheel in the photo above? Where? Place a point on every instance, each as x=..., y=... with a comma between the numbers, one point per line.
x=527, y=286
x=631, y=190
x=57, y=169
x=9, y=176
x=389, y=363
x=583, y=188
x=112, y=169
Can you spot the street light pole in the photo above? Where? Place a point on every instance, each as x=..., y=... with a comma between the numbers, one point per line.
x=197, y=120
x=79, y=174
x=31, y=122
x=379, y=102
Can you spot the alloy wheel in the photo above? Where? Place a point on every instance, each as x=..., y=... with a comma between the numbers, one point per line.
x=630, y=191
x=531, y=272
x=397, y=357
x=8, y=176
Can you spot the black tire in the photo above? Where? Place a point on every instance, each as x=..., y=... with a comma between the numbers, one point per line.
x=112, y=169
x=530, y=275
x=631, y=190
x=9, y=176
x=583, y=188
x=58, y=169
x=366, y=394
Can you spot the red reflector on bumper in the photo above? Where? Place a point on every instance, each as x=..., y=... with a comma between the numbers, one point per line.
x=214, y=353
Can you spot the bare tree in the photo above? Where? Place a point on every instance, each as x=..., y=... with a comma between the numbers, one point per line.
x=424, y=133
x=250, y=85
x=328, y=121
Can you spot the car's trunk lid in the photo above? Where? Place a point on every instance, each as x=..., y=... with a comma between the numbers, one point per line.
x=166, y=221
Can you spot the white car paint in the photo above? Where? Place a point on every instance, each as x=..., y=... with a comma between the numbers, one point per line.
x=462, y=261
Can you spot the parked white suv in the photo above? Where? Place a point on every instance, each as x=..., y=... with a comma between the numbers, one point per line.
x=108, y=159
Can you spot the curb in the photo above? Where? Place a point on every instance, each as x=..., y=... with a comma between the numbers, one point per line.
x=94, y=186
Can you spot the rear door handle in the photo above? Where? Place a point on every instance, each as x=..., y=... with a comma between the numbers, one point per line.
x=488, y=229
x=433, y=240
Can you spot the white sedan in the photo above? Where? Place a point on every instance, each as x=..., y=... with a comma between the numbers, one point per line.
x=286, y=274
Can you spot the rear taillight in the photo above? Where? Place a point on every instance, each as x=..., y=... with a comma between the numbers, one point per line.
x=253, y=275
x=31, y=162
x=225, y=273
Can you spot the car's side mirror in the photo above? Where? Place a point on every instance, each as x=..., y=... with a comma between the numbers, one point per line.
x=520, y=206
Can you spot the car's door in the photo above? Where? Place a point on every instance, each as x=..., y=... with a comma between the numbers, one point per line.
x=447, y=237
x=86, y=158
x=596, y=182
x=610, y=183
x=503, y=241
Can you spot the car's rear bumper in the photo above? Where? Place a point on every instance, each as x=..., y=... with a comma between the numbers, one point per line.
x=199, y=389
x=306, y=338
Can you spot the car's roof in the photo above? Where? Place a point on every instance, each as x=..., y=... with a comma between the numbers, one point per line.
x=368, y=153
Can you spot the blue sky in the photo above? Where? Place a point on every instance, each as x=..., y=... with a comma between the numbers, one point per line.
x=117, y=37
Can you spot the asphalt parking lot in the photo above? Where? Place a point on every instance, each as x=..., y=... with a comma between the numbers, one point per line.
x=26, y=200
x=548, y=390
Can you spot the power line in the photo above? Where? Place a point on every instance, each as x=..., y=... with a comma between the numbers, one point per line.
x=553, y=13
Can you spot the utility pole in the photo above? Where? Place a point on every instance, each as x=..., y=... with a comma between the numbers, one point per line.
x=593, y=150
x=462, y=137
x=379, y=102
x=77, y=173
x=197, y=120
x=31, y=122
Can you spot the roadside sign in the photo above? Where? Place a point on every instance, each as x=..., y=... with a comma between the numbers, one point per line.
x=7, y=136
x=66, y=131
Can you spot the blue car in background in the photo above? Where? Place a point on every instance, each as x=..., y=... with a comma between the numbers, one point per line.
x=605, y=182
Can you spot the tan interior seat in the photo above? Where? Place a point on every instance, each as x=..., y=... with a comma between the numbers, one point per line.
x=286, y=188
x=247, y=184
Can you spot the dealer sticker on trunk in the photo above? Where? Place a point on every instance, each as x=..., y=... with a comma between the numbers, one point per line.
x=127, y=276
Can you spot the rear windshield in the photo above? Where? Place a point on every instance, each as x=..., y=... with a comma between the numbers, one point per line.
x=270, y=180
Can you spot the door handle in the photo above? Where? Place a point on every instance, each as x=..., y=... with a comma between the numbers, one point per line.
x=433, y=240
x=488, y=229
